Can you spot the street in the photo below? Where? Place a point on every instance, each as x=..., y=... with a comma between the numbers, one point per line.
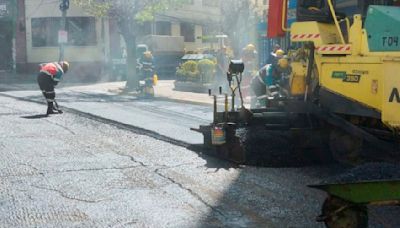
x=200, y=113
x=78, y=170
x=67, y=170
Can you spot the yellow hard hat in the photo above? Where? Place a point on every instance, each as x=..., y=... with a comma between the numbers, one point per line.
x=65, y=66
x=250, y=47
x=279, y=53
x=283, y=63
x=147, y=54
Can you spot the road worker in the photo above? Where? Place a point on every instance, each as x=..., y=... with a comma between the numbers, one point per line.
x=49, y=76
x=270, y=80
x=272, y=55
x=249, y=58
x=146, y=65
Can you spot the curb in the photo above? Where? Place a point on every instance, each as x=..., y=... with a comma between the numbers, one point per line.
x=164, y=98
x=184, y=101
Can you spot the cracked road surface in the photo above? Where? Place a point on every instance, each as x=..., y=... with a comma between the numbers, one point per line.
x=71, y=171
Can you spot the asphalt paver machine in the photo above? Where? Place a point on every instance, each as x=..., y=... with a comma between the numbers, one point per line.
x=343, y=103
x=343, y=94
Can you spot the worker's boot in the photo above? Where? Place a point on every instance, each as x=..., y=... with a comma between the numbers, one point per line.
x=56, y=109
x=50, y=107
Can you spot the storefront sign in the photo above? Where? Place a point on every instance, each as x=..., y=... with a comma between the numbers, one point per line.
x=62, y=37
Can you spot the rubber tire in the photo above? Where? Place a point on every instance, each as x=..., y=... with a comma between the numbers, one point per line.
x=355, y=216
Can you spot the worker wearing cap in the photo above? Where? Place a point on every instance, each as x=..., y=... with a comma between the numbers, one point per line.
x=278, y=54
x=272, y=56
x=147, y=65
x=49, y=76
x=249, y=58
x=269, y=76
x=281, y=72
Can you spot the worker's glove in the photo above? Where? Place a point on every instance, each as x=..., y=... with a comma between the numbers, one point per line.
x=55, y=83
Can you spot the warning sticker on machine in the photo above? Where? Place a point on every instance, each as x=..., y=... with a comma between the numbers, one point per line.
x=339, y=74
x=353, y=78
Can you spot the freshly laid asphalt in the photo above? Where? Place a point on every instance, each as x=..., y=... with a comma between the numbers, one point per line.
x=71, y=171
x=163, y=117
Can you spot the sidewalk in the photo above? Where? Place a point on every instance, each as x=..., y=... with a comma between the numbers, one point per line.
x=164, y=90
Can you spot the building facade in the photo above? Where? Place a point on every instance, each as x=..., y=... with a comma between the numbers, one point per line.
x=86, y=47
x=29, y=34
x=198, y=22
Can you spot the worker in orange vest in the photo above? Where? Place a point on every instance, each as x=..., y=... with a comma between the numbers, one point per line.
x=49, y=76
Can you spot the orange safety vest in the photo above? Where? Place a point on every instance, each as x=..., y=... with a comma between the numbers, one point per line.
x=53, y=69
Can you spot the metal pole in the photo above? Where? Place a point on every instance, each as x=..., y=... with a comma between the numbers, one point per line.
x=215, y=108
x=64, y=5
x=226, y=107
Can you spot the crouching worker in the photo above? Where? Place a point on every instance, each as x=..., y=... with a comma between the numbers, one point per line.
x=270, y=81
x=259, y=84
x=49, y=76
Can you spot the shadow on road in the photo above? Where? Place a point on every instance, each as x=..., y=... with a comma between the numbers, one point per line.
x=278, y=197
x=38, y=116
x=212, y=161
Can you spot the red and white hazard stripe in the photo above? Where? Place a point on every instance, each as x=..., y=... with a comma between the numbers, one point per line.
x=305, y=36
x=334, y=48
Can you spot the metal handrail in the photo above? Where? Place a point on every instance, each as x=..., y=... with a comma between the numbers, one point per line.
x=333, y=12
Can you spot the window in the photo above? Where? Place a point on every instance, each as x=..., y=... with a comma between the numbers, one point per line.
x=212, y=3
x=81, y=31
x=145, y=28
x=209, y=35
x=163, y=28
x=187, y=31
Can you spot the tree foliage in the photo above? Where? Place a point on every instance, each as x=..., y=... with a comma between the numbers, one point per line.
x=237, y=18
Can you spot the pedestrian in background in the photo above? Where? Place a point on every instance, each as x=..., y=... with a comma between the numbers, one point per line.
x=249, y=58
x=49, y=76
x=272, y=59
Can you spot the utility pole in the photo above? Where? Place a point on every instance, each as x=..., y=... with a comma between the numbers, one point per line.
x=64, y=6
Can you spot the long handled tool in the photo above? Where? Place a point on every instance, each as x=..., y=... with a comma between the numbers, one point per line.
x=57, y=107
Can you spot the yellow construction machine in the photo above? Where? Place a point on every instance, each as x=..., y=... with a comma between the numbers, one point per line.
x=343, y=99
x=341, y=102
x=352, y=73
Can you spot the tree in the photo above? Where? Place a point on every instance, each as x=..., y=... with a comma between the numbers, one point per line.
x=238, y=17
x=129, y=14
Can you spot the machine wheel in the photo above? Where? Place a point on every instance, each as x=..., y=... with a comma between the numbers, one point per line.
x=338, y=213
x=345, y=148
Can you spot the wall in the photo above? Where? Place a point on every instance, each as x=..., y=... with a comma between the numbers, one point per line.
x=197, y=14
x=194, y=46
x=79, y=55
